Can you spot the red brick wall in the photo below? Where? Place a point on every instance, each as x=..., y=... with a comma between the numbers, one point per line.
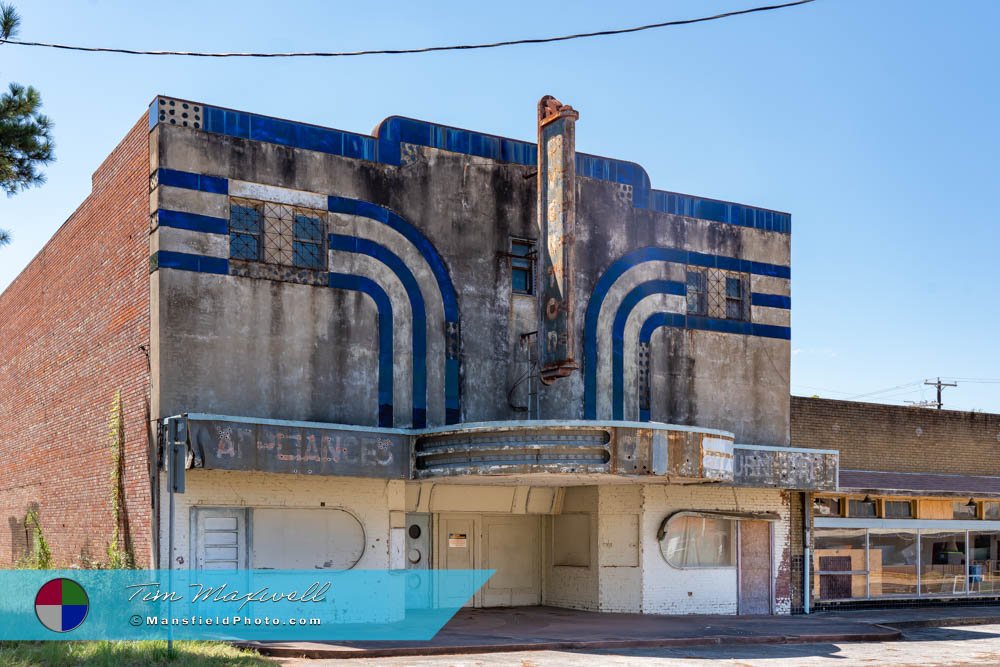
x=71, y=329
x=893, y=438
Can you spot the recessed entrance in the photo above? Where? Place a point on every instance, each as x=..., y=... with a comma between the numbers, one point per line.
x=507, y=543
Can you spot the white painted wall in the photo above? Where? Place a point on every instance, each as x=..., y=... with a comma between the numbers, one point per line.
x=668, y=590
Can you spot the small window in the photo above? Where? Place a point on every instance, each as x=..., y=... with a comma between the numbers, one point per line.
x=991, y=511
x=522, y=266
x=695, y=541
x=826, y=507
x=898, y=509
x=697, y=302
x=862, y=508
x=735, y=299
x=961, y=509
x=245, y=231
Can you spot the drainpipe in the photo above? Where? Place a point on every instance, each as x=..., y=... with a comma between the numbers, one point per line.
x=806, y=541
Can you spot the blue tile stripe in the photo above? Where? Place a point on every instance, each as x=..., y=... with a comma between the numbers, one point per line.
x=336, y=204
x=453, y=399
x=682, y=321
x=189, y=181
x=771, y=300
x=384, y=307
x=628, y=304
x=384, y=147
x=191, y=221
x=634, y=258
x=168, y=259
x=393, y=262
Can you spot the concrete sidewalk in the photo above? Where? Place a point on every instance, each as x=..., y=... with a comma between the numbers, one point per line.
x=549, y=628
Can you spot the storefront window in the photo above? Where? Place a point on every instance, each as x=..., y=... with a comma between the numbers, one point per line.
x=898, y=509
x=892, y=562
x=695, y=541
x=984, y=562
x=839, y=564
x=942, y=563
x=963, y=510
x=991, y=511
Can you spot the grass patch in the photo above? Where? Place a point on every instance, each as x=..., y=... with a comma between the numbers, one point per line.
x=126, y=654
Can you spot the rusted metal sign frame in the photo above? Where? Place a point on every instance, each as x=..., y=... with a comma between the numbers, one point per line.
x=556, y=223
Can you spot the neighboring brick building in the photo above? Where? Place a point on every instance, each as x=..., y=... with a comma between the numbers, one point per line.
x=917, y=514
x=74, y=331
x=427, y=347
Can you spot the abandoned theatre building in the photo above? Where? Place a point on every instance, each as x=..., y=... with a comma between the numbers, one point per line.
x=422, y=348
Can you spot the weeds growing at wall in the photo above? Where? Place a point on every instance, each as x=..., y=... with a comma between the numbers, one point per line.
x=40, y=556
x=120, y=555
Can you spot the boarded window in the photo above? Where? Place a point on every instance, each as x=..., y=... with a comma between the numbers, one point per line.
x=571, y=540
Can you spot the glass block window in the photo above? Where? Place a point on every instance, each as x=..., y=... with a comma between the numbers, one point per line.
x=522, y=266
x=245, y=228
x=697, y=296
x=276, y=233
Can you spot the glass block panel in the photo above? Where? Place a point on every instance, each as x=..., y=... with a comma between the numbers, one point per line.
x=244, y=219
x=244, y=246
x=308, y=228
x=308, y=255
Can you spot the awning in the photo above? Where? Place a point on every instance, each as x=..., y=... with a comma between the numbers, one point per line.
x=872, y=481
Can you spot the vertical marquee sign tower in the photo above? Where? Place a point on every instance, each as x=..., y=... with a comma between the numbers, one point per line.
x=556, y=221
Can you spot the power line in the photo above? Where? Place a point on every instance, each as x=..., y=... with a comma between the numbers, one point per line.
x=883, y=391
x=387, y=52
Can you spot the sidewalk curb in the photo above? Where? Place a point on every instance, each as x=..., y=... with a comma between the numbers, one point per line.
x=878, y=633
x=943, y=622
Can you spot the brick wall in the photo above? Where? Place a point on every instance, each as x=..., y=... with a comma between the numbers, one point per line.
x=71, y=327
x=892, y=438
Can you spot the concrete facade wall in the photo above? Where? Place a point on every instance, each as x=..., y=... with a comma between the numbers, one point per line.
x=893, y=438
x=74, y=330
x=271, y=348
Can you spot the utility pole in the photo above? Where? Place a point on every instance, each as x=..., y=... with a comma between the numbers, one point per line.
x=940, y=385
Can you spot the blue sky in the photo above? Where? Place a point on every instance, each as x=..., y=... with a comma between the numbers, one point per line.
x=873, y=123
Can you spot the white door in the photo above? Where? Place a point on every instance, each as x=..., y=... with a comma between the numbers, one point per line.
x=457, y=542
x=219, y=538
x=512, y=547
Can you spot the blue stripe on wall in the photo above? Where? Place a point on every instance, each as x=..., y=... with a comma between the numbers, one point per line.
x=189, y=181
x=419, y=340
x=628, y=304
x=336, y=204
x=771, y=300
x=168, y=259
x=384, y=147
x=384, y=307
x=623, y=264
x=192, y=221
